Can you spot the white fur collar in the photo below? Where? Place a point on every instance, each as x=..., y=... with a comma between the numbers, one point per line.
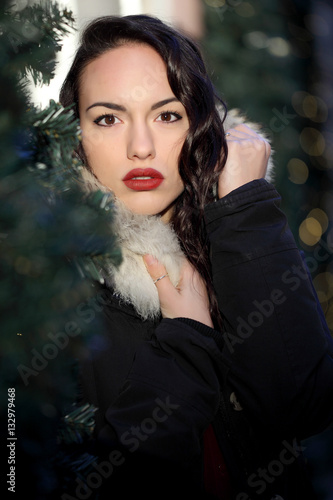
x=138, y=235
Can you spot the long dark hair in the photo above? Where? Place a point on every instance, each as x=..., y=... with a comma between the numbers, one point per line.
x=204, y=150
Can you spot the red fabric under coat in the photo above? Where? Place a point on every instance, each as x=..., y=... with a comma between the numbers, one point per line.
x=216, y=477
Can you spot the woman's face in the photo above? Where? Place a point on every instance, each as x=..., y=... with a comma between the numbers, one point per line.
x=133, y=128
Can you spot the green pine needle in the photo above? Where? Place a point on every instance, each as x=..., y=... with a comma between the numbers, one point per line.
x=34, y=36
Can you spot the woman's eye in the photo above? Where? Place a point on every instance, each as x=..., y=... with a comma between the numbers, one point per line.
x=168, y=117
x=107, y=120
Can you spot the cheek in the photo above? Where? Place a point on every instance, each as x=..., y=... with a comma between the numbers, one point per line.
x=98, y=148
x=92, y=141
x=181, y=185
x=174, y=163
x=171, y=150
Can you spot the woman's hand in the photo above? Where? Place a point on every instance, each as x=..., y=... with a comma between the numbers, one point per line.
x=188, y=300
x=248, y=155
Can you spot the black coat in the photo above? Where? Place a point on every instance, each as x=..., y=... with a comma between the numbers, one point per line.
x=264, y=382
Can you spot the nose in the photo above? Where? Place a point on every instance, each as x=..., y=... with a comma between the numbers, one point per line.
x=140, y=142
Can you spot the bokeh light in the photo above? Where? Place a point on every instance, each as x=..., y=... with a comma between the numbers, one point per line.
x=245, y=9
x=298, y=171
x=310, y=231
x=317, y=25
x=278, y=46
x=310, y=106
x=321, y=217
x=323, y=283
x=215, y=3
x=256, y=40
x=312, y=141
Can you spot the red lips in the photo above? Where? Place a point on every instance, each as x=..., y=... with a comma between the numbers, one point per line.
x=143, y=179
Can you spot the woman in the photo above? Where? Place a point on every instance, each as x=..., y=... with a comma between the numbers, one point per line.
x=215, y=354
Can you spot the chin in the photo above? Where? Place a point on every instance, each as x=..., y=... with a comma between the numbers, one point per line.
x=144, y=207
x=147, y=210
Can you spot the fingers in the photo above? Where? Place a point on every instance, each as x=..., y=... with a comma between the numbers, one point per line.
x=248, y=155
x=167, y=293
x=241, y=130
x=157, y=272
x=188, y=300
x=248, y=137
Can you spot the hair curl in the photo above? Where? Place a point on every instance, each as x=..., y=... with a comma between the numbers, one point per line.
x=204, y=150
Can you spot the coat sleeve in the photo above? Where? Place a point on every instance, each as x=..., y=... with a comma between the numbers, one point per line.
x=171, y=393
x=277, y=343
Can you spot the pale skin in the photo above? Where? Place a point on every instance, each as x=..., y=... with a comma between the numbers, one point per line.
x=142, y=132
x=131, y=119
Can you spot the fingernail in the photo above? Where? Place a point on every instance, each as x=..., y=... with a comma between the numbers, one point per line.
x=150, y=259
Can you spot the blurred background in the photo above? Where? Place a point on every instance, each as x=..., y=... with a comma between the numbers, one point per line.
x=272, y=59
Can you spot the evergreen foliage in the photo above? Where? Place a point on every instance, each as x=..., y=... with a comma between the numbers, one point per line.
x=53, y=238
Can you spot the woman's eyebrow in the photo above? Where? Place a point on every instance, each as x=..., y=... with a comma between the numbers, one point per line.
x=118, y=107
x=109, y=105
x=163, y=103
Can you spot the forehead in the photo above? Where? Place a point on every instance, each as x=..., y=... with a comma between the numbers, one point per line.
x=131, y=72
